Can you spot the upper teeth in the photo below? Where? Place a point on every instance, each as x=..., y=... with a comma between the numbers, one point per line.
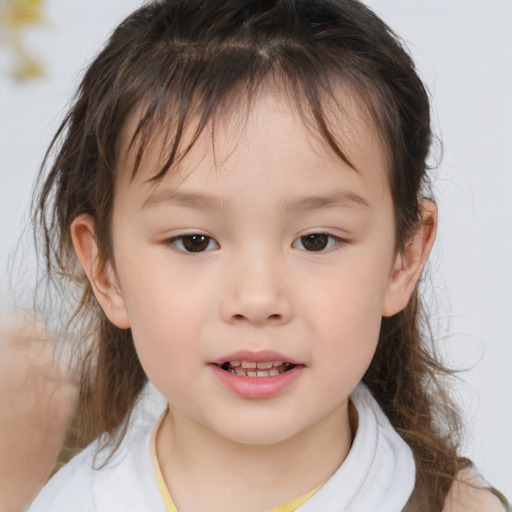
x=257, y=369
x=253, y=364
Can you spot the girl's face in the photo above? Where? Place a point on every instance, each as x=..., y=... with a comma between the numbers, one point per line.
x=266, y=256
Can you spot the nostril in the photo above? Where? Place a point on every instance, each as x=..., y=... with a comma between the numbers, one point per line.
x=256, y=311
x=272, y=318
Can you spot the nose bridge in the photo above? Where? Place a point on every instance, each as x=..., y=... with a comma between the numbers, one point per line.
x=257, y=292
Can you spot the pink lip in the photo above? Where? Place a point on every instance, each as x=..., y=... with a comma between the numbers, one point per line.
x=256, y=387
x=257, y=357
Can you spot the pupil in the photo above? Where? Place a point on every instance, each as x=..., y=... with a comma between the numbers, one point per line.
x=196, y=243
x=315, y=241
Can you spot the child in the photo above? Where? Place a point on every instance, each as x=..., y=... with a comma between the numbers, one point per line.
x=243, y=185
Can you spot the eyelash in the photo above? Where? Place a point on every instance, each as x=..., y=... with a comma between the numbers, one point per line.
x=178, y=242
x=332, y=241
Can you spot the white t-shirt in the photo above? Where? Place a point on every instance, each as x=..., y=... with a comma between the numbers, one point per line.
x=377, y=474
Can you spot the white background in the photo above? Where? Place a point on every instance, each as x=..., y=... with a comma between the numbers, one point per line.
x=463, y=49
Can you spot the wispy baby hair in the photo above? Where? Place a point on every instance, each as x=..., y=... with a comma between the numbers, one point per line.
x=176, y=66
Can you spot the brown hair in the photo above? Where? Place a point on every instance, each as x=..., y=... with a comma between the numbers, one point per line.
x=175, y=62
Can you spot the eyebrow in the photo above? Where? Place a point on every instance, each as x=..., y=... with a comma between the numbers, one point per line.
x=333, y=200
x=307, y=203
x=188, y=199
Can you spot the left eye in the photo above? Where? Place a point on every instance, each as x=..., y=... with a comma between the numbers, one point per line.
x=194, y=243
x=316, y=242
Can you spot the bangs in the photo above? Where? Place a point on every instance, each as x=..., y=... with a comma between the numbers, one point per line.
x=191, y=96
x=176, y=85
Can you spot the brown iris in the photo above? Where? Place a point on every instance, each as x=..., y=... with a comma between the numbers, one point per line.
x=195, y=243
x=315, y=241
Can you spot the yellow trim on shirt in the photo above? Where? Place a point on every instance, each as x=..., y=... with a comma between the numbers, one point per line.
x=291, y=506
x=169, y=504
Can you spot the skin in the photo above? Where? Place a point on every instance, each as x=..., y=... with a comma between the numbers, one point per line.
x=256, y=287
x=37, y=399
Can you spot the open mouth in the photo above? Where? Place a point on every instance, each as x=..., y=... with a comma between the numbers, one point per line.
x=254, y=369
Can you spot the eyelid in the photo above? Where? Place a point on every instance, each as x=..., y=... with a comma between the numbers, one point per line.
x=337, y=241
x=179, y=238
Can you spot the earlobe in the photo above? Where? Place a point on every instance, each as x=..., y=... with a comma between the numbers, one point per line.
x=100, y=273
x=410, y=261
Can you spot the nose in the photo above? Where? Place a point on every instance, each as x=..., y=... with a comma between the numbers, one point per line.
x=256, y=293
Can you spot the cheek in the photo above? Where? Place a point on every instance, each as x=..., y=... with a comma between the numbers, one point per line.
x=159, y=293
x=167, y=314
x=346, y=319
x=353, y=328
x=166, y=334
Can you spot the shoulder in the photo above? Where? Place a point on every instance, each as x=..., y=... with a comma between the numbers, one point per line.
x=92, y=482
x=470, y=493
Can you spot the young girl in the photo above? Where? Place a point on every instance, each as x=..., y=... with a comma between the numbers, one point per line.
x=239, y=199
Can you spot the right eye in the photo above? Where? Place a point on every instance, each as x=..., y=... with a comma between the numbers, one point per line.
x=193, y=243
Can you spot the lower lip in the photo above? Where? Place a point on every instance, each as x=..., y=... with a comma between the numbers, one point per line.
x=257, y=387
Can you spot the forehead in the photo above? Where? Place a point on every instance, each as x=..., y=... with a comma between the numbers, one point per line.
x=266, y=132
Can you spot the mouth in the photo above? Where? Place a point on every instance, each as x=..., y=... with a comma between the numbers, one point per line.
x=257, y=375
x=257, y=369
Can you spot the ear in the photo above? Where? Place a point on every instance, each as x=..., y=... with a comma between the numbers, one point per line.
x=410, y=261
x=100, y=273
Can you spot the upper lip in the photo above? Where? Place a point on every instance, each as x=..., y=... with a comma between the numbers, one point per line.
x=261, y=356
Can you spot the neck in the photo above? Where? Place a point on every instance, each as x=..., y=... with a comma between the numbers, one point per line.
x=205, y=471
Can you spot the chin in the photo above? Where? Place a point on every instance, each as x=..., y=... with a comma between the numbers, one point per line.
x=259, y=433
